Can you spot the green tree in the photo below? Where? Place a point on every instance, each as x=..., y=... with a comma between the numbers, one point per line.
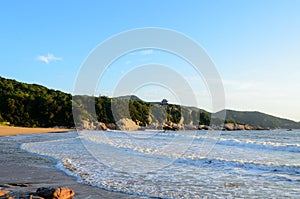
x=204, y=118
x=174, y=113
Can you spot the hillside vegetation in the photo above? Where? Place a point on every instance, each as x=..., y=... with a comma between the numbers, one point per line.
x=32, y=105
x=255, y=118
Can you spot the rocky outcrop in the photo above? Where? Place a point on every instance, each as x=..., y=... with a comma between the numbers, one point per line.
x=111, y=126
x=190, y=127
x=233, y=126
x=87, y=125
x=130, y=125
x=170, y=128
x=55, y=193
x=260, y=128
x=102, y=126
x=248, y=127
x=205, y=127
x=239, y=127
x=126, y=124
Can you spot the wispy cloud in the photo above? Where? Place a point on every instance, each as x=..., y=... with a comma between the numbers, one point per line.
x=49, y=58
x=147, y=52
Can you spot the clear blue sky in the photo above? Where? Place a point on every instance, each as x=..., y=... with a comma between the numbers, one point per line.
x=254, y=44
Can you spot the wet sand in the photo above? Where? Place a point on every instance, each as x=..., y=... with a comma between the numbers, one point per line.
x=20, y=167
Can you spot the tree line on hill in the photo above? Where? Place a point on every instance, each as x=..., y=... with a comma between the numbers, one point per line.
x=32, y=105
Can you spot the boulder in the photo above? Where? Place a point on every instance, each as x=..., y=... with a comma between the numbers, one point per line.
x=55, y=193
x=248, y=127
x=4, y=192
x=102, y=126
x=204, y=127
x=126, y=124
x=86, y=125
x=233, y=127
x=239, y=127
x=169, y=127
x=111, y=126
x=229, y=126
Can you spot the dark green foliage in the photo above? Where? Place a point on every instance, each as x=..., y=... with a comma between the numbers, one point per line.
x=139, y=111
x=131, y=107
x=103, y=110
x=204, y=118
x=32, y=105
x=110, y=110
x=173, y=113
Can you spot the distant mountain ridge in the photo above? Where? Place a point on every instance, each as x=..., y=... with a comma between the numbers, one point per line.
x=33, y=105
x=130, y=97
x=256, y=118
x=253, y=118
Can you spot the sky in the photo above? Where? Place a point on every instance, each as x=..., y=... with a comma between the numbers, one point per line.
x=254, y=44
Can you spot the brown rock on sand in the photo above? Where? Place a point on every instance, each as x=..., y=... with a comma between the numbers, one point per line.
x=55, y=193
x=3, y=192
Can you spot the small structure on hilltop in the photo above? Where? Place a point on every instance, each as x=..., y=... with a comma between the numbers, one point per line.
x=164, y=102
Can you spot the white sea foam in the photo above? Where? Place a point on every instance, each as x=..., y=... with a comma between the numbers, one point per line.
x=261, y=145
x=240, y=165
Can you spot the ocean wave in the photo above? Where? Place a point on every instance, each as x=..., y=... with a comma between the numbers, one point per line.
x=267, y=145
x=190, y=175
x=224, y=164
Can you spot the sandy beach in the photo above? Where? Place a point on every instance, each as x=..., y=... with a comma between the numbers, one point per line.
x=19, y=167
x=9, y=130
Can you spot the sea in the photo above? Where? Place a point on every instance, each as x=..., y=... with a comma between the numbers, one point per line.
x=180, y=164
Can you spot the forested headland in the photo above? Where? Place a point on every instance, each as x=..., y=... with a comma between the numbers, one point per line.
x=32, y=105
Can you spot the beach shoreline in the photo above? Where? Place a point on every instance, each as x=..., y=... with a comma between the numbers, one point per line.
x=11, y=130
x=19, y=167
